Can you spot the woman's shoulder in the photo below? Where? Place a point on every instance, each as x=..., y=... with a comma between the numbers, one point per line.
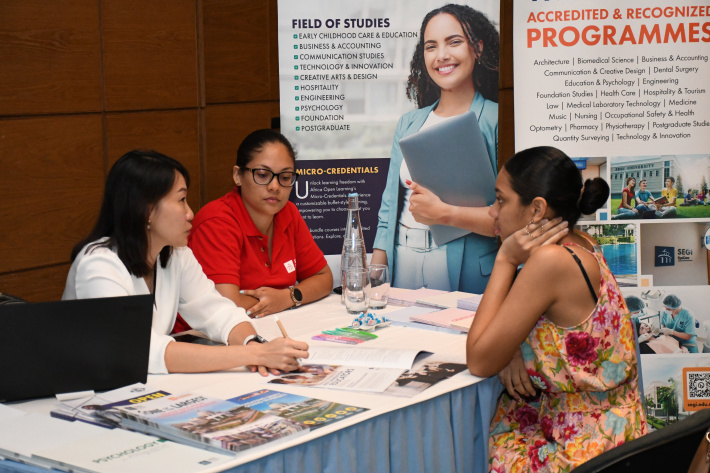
x=414, y=115
x=97, y=249
x=98, y=257
x=222, y=207
x=556, y=258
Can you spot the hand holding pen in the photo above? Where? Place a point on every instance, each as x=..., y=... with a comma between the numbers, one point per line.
x=302, y=346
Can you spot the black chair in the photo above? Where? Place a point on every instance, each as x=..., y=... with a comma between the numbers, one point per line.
x=670, y=449
x=8, y=299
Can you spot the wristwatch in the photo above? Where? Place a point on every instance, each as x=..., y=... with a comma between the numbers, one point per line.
x=296, y=296
x=255, y=338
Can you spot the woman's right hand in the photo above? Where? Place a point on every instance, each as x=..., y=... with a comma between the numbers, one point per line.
x=515, y=377
x=378, y=256
x=517, y=248
x=280, y=354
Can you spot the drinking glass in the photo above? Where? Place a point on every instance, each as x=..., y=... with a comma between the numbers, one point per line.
x=379, y=286
x=357, y=290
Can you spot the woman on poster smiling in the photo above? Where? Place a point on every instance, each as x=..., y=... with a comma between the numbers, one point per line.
x=454, y=69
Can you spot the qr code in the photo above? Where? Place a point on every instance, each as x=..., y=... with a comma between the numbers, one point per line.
x=699, y=385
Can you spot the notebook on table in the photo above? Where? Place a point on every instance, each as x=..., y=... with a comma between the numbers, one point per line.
x=447, y=300
x=49, y=348
x=451, y=160
x=458, y=319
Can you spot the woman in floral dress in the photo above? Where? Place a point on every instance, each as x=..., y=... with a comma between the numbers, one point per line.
x=566, y=310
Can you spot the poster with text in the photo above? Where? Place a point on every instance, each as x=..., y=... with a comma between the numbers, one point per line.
x=343, y=70
x=631, y=81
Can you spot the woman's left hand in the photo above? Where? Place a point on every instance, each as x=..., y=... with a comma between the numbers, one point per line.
x=271, y=301
x=517, y=248
x=426, y=207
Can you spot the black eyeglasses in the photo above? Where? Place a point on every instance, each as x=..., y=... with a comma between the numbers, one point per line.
x=263, y=177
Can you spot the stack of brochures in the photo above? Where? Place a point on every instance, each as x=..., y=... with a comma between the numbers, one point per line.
x=454, y=318
x=314, y=413
x=470, y=303
x=409, y=297
x=44, y=442
x=446, y=300
x=206, y=422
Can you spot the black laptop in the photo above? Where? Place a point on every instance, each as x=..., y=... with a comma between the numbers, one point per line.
x=48, y=348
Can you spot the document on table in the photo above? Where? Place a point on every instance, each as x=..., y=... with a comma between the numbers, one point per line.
x=355, y=369
x=352, y=378
x=364, y=357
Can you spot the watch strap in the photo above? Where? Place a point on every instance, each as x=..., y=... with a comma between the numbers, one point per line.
x=296, y=301
x=256, y=338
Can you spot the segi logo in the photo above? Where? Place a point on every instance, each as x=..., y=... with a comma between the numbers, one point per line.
x=665, y=256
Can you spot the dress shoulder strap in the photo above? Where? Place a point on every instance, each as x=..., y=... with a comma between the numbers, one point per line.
x=584, y=273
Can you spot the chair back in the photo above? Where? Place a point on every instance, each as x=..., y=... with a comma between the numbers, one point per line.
x=670, y=449
x=8, y=299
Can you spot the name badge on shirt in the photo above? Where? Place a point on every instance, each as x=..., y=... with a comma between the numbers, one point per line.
x=290, y=266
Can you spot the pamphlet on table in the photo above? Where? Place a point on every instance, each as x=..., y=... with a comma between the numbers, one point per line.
x=423, y=376
x=312, y=412
x=205, y=421
x=453, y=318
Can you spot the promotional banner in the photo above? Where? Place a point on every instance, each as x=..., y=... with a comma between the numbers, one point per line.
x=623, y=88
x=343, y=71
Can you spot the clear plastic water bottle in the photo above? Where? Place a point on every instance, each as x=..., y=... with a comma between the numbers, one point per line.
x=354, y=254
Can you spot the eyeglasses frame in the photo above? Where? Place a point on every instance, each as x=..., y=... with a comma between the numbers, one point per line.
x=273, y=175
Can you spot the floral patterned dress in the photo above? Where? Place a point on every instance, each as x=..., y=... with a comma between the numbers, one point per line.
x=589, y=401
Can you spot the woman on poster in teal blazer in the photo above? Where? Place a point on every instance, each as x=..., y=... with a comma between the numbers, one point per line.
x=454, y=69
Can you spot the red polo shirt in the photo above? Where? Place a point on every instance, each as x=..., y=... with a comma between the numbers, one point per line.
x=231, y=250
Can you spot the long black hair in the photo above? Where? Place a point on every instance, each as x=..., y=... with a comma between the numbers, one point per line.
x=422, y=89
x=549, y=173
x=632, y=188
x=135, y=184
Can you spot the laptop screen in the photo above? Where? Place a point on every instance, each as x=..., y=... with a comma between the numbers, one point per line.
x=48, y=348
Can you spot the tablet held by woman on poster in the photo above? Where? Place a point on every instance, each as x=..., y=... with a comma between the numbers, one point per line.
x=253, y=243
x=138, y=246
x=567, y=311
x=454, y=69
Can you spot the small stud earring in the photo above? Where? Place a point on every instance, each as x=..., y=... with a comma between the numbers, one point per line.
x=148, y=226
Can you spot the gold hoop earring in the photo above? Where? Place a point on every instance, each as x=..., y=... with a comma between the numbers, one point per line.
x=527, y=230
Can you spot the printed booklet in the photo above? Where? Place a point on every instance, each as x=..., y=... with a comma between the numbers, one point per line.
x=118, y=451
x=95, y=409
x=423, y=376
x=314, y=413
x=205, y=421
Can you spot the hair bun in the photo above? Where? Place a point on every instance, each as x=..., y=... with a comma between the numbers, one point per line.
x=594, y=195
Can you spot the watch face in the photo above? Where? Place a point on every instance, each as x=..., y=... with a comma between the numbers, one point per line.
x=297, y=294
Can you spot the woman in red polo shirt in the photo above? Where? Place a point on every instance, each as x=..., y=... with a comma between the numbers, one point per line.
x=253, y=242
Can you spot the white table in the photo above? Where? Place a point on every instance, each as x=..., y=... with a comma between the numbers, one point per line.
x=434, y=431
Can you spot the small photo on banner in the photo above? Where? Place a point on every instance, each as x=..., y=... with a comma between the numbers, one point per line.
x=666, y=387
x=670, y=319
x=660, y=187
x=618, y=242
x=674, y=253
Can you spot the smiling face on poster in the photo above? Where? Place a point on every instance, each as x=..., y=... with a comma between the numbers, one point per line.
x=449, y=57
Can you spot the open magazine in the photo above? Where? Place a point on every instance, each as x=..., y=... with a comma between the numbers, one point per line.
x=352, y=368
